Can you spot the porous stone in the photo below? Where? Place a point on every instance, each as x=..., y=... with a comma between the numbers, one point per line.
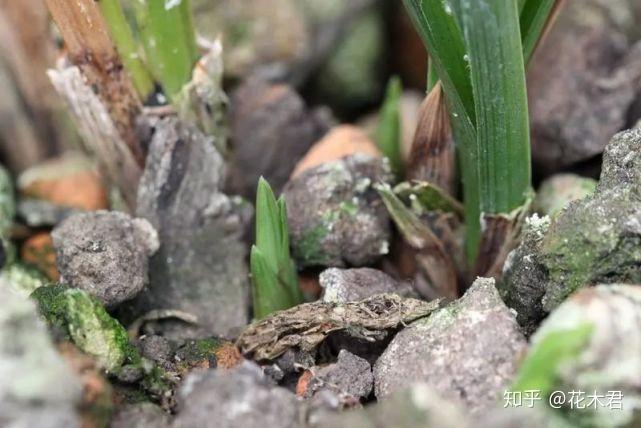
x=599, y=67
x=336, y=217
x=417, y=405
x=524, y=280
x=242, y=397
x=594, y=240
x=38, y=388
x=200, y=267
x=105, y=253
x=349, y=285
x=590, y=343
x=467, y=352
x=558, y=190
x=272, y=129
x=350, y=375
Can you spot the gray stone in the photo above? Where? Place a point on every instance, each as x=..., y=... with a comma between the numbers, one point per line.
x=141, y=415
x=594, y=240
x=105, y=253
x=622, y=161
x=578, y=100
x=349, y=375
x=349, y=285
x=272, y=129
x=38, y=388
x=590, y=343
x=241, y=397
x=418, y=405
x=336, y=217
x=200, y=267
x=467, y=351
x=524, y=278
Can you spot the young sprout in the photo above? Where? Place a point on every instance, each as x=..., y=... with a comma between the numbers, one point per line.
x=273, y=270
x=169, y=38
x=388, y=133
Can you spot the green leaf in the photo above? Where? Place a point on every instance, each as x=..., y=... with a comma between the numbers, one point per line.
x=169, y=39
x=546, y=357
x=492, y=34
x=534, y=16
x=436, y=24
x=273, y=271
x=127, y=47
x=268, y=224
x=388, y=134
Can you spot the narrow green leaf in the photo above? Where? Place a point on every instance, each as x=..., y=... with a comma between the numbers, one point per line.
x=432, y=76
x=492, y=33
x=169, y=39
x=534, y=16
x=273, y=271
x=266, y=288
x=388, y=134
x=268, y=224
x=436, y=24
x=127, y=47
x=540, y=369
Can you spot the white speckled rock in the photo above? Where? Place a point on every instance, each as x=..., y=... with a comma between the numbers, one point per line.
x=467, y=352
x=37, y=387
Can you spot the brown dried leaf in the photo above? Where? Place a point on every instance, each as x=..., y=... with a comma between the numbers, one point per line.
x=306, y=326
x=500, y=235
x=432, y=157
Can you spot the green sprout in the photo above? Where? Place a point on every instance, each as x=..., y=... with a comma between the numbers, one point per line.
x=166, y=32
x=388, y=133
x=478, y=50
x=273, y=270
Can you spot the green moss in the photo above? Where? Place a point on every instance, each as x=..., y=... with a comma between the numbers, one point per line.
x=589, y=242
x=309, y=248
x=94, y=331
x=50, y=304
x=196, y=351
x=88, y=324
x=349, y=207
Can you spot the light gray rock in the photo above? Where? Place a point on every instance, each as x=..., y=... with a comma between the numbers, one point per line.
x=105, y=253
x=142, y=415
x=241, y=397
x=578, y=100
x=350, y=285
x=200, y=267
x=38, y=388
x=418, y=405
x=590, y=343
x=349, y=375
x=467, y=352
x=336, y=217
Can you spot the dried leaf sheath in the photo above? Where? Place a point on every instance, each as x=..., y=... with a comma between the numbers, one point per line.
x=306, y=326
x=432, y=157
x=89, y=46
